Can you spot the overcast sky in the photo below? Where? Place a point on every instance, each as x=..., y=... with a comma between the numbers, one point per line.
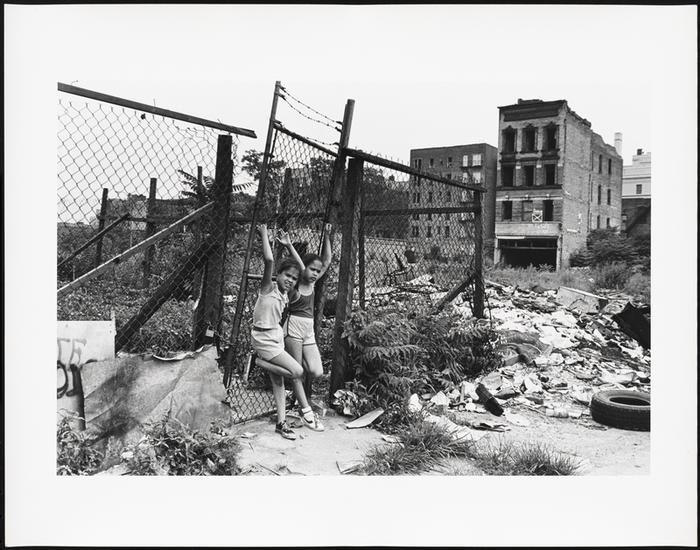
x=421, y=76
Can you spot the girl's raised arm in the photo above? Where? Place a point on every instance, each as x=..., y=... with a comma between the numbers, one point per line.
x=284, y=239
x=266, y=284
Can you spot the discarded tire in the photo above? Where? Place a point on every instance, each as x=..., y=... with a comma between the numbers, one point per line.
x=628, y=410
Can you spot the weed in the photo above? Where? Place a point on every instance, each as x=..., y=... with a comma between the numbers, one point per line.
x=76, y=453
x=422, y=446
x=530, y=459
x=170, y=448
x=639, y=287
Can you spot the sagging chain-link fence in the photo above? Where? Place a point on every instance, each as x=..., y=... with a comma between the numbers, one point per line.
x=143, y=219
x=416, y=235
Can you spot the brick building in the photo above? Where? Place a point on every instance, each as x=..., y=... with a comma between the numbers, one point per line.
x=557, y=180
x=636, y=194
x=473, y=162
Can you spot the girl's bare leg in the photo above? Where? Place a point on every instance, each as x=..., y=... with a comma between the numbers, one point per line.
x=278, y=394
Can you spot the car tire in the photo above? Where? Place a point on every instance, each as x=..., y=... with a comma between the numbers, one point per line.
x=628, y=410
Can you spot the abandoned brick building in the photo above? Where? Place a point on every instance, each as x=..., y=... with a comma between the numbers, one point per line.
x=557, y=180
x=636, y=194
x=473, y=162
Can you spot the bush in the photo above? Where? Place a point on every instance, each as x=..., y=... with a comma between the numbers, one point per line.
x=396, y=355
x=639, y=287
x=611, y=276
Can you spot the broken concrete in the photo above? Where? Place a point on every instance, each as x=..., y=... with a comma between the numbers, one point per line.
x=579, y=300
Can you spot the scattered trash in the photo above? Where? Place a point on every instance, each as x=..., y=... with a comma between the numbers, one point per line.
x=633, y=323
x=366, y=419
x=488, y=400
x=349, y=467
x=628, y=410
x=441, y=401
x=247, y=435
x=581, y=301
x=414, y=404
x=390, y=438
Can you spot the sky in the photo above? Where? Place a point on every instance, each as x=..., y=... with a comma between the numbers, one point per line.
x=421, y=76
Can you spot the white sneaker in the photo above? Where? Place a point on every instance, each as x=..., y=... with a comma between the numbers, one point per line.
x=310, y=419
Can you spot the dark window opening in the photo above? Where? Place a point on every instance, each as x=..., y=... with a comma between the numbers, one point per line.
x=550, y=174
x=525, y=252
x=527, y=211
x=430, y=197
x=609, y=195
x=548, y=214
x=600, y=164
x=529, y=175
x=530, y=139
x=431, y=163
x=447, y=217
x=447, y=231
x=428, y=232
x=507, y=175
x=638, y=189
x=507, y=211
x=430, y=216
x=449, y=195
x=449, y=161
x=550, y=138
x=438, y=229
x=597, y=222
x=609, y=166
x=607, y=223
x=415, y=231
x=599, y=192
x=509, y=140
x=416, y=216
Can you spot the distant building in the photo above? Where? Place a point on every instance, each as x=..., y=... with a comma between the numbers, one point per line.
x=636, y=194
x=474, y=162
x=557, y=180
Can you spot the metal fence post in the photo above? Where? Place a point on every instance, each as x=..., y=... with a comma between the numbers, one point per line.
x=478, y=257
x=209, y=308
x=243, y=288
x=333, y=207
x=150, y=230
x=101, y=225
x=340, y=372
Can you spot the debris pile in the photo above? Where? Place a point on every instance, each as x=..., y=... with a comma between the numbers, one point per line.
x=555, y=356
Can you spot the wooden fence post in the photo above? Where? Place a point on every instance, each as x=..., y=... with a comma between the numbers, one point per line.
x=210, y=305
x=150, y=231
x=478, y=257
x=101, y=226
x=340, y=372
x=333, y=208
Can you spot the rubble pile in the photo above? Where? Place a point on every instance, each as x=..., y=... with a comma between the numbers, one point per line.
x=556, y=358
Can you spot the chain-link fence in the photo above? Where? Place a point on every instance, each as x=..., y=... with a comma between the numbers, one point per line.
x=143, y=219
x=295, y=198
x=416, y=235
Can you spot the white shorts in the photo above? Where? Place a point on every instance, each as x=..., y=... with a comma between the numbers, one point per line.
x=267, y=343
x=300, y=328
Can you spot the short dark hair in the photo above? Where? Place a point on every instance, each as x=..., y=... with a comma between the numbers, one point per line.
x=285, y=264
x=308, y=258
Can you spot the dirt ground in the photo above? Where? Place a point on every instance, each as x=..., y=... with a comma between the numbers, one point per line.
x=601, y=450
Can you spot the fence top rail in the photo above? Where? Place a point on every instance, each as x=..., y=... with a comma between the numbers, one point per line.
x=67, y=88
x=391, y=165
x=280, y=127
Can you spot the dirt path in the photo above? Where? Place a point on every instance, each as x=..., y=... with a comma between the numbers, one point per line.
x=602, y=451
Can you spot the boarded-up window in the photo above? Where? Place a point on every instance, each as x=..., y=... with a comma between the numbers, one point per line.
x=527, y=211
x=507, y=210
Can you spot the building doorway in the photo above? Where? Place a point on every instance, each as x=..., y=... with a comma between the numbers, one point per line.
x=526, y=252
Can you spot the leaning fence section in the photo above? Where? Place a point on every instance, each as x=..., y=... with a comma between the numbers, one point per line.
x=142, y=218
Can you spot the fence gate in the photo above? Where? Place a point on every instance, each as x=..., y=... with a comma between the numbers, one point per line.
x=295, y=193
